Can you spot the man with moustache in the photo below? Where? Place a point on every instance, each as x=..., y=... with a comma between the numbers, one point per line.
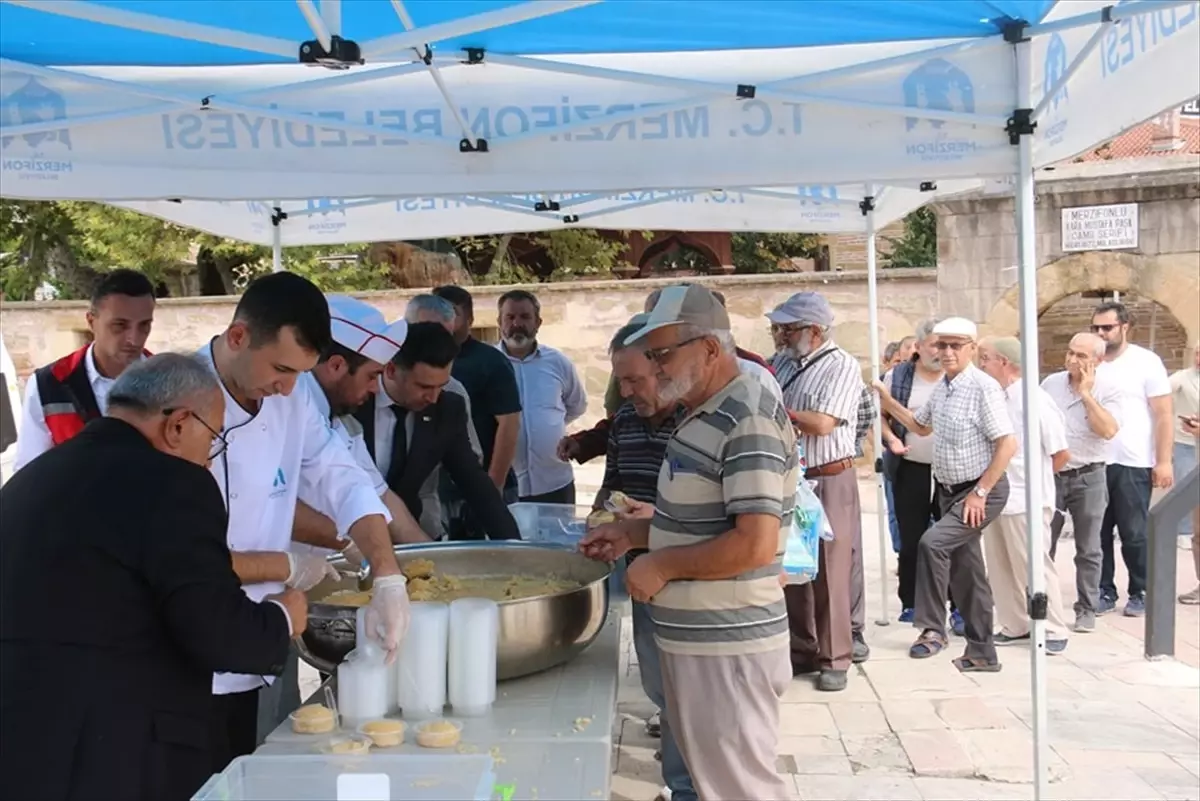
x=1141, y=454
x=62, y=397
x=1091, y=409
x=716, y=542
x=551, y=397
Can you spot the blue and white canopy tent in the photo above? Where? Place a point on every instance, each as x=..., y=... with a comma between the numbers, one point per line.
x=513, y=108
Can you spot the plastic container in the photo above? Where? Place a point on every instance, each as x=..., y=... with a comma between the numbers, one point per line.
x=312, y=720
x=474, y=637
x=414, y=777
x=550, y=522
x=421, y=667
x=383, y=733
x=348, y=745
x=438, y=733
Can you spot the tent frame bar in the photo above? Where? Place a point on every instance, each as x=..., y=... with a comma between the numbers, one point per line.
x=316, y=23
x=1114, y=13
x=1051, y=92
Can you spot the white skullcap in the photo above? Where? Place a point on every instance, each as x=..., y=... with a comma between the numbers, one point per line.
x=360, y=327
x=956, y=327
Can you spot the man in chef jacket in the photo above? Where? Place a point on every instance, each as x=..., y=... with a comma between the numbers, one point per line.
x=346, y=375
x=281, y=447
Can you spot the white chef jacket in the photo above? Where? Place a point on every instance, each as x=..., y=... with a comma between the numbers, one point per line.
x=285, y=451
x=551, y=396
x=34, y=437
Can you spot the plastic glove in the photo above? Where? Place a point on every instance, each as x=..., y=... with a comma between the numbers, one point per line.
x=307, y=570
x=388, y=615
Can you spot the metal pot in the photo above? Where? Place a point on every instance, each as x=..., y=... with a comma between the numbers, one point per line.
x=535, y=633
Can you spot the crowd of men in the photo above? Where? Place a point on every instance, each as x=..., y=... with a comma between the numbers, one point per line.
x=312, y=425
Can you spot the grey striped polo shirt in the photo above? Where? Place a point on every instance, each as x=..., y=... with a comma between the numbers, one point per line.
x=734, y=455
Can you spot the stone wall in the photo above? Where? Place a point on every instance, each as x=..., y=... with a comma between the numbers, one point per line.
x=578, y=317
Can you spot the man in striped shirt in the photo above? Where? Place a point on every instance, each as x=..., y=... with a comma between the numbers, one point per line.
x=716, y=543
x=823, y=389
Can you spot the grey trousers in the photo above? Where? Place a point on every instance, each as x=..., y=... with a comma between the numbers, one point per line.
x=1085, y=496
x=950, y=558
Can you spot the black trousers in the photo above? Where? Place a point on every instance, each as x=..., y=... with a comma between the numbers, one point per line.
x=233, y=730
x=1128, y=512
x=914, y=494
x=561, y=495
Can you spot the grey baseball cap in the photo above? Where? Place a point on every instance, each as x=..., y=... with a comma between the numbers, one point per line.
x=803, y=307
x=686, y=304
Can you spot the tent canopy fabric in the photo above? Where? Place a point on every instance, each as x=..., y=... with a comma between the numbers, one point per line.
x=141, y=101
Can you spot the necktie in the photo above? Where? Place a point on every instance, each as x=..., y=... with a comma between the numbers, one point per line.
x=399, y=448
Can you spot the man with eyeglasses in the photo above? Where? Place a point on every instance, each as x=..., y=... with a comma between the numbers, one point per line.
x=822, y=389
x=106, y=679
x=973, y=442
x=1141, y=455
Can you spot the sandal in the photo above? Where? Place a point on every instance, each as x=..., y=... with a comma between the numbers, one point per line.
x=968, y=664
x=930, y=643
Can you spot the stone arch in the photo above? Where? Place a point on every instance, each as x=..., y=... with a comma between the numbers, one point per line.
x=676, y=239
x=1171, y=280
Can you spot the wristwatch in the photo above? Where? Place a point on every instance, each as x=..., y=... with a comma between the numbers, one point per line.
x=980, y=492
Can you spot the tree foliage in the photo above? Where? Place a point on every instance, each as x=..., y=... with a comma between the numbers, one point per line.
x=547, y=256
x=917, y=246
x=755, y=252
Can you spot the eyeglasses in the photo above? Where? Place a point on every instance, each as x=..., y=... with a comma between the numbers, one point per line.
x=954, y=346
x=658, y=355
x=1104, y=328
x=787, y=329
x=219, y=444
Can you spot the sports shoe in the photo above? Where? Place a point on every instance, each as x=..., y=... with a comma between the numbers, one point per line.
x=654, y=725
x=663, y=795
x=1055, y=647
x=831, y=681
x=957, y=624
x=1135, y=606
x=1105, y=605
x=1005, y=639
x=907, y=614
x=1085, y=622
x=860, y=652
x=1191, y=598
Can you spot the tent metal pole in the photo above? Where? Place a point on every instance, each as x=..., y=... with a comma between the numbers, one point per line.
x=1050, y=92
x=375, y=49
x=277, y=218
x=427, y=59
x=331, y=12
x=316, y=23
x=1116, y=13
x=1022, y=132
x=149, y=23
x=881, y=515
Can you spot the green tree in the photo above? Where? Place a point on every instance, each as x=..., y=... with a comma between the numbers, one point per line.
x=917, y=246
x=755, y=252
x=572, y=252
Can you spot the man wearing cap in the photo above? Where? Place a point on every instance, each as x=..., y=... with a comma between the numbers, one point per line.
x=1005, y=539
x=823, y=388
x=973, y=443
x=716, y=542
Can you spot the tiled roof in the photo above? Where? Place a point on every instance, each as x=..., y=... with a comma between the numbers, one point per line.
x=1138, y=142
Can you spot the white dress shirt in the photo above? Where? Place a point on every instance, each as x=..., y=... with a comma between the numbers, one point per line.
x=34, y=438
x=1054, y=439
x=551, y=397
x=1085, y=445
x=284, y=452
x=1139, y=375
x=762, y=375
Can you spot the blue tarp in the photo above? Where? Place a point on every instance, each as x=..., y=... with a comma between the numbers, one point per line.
x=617, y=26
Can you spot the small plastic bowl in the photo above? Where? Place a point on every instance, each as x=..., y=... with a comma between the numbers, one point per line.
x=348, y=745
x=441, y=735
x=392, y=734
x=323, y=724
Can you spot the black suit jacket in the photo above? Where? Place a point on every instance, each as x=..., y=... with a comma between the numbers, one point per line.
x=118, y=601
x=440, y=437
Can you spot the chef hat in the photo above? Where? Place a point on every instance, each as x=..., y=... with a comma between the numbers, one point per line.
x=360, y=327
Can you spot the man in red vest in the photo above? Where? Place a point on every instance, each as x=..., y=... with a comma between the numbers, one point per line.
x=62, y=397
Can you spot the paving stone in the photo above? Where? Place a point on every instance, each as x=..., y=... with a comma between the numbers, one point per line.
x=918, y=678
x=859, y=718
x=1007, y=755
x=806, y=719
x=1162, y=673
x=912, y=715
x=1091, y=758
x=634, y=788
x=803, y=690
x=811, y=746
x=876, y=753
x=972, y=713
x=1190, y=762
x=1180, y=707
x=937, y=753
x=857, y=788
x=1112, y=727
x=935, y=789
x=1172, y=782
x=1115, y=784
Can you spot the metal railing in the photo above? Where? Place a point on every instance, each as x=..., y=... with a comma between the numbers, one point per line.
x=1162, y=536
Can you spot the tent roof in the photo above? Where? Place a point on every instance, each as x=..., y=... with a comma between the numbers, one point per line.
x=104, y=32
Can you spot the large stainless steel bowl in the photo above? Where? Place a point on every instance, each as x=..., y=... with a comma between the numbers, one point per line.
x=535, y=633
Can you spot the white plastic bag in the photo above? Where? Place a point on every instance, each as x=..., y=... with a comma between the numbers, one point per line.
x=809, y=525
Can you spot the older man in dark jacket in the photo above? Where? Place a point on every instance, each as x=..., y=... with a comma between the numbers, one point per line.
x=118, y=599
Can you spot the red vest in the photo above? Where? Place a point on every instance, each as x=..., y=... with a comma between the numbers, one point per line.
x=65, y=392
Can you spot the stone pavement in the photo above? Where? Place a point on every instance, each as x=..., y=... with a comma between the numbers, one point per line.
x=1120, y=727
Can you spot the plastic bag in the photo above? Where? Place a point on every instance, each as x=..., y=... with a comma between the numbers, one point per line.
x=809, y=525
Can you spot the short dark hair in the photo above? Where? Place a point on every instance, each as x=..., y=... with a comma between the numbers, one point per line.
x=617, y=343
x=285, y=300
x=1121, y=310
x=354, y=359
x=426, y=343
x=890, y=351
x=520, y=296
x=123, y=281
x=456, y=295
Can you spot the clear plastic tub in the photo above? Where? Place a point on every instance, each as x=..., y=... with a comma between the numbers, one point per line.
x=450, y=777
x=550, y=522
x=436, y=733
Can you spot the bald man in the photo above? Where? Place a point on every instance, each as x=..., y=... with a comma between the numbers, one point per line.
x=1091, y=405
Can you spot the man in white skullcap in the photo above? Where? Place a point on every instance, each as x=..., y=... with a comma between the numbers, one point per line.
x=973, y=442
